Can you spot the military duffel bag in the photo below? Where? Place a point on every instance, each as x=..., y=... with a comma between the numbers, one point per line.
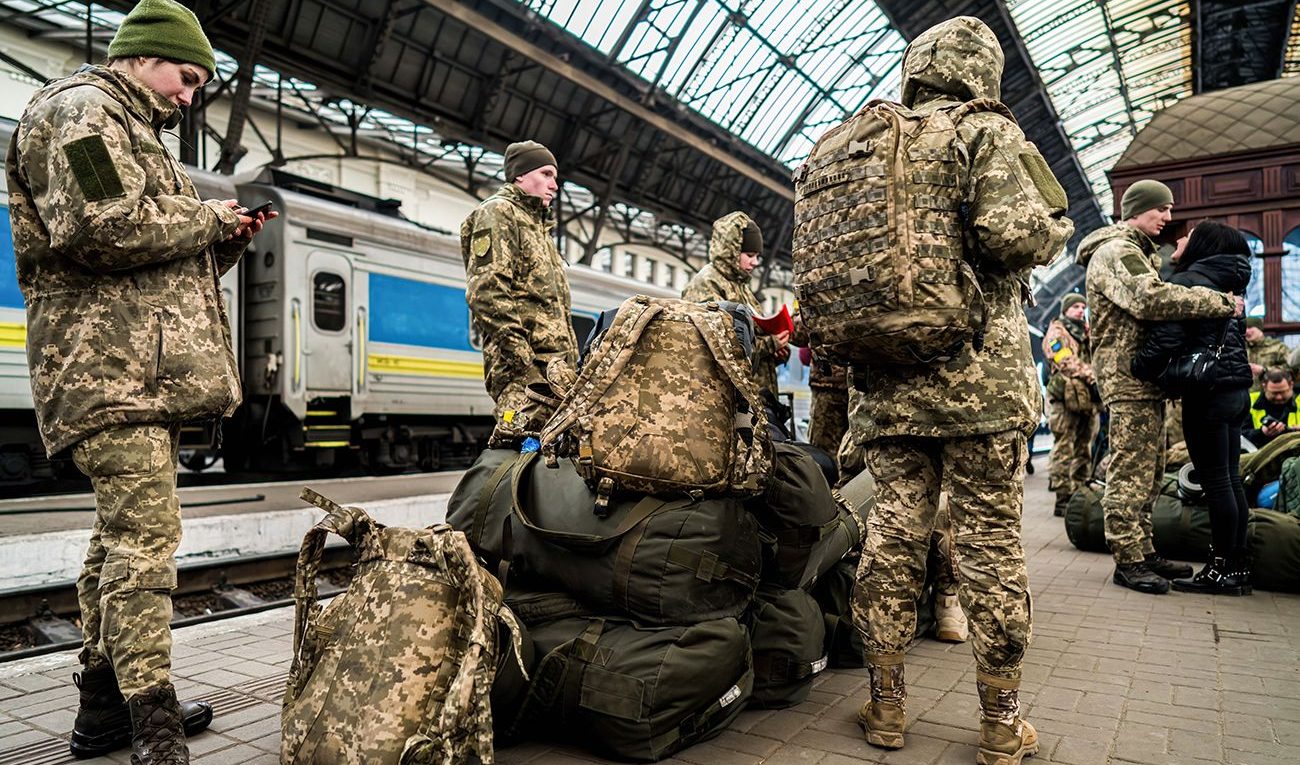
x=807, y=526
x=398, y=668
x=1180, y=530
x=788, y=635
x=534, y=607
x=1085, y=522
x=834, y=594
x=637, y=693
x=510, y=685
x=656, y=560
x=1274, y=540
x=666, y=402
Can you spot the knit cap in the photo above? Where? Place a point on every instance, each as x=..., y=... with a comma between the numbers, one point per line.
x=1142, y=196
x=526, y=156
x=1070, y=299
x=751, y=238
x=165, y=29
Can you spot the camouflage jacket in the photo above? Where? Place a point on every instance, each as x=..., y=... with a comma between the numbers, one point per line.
x=1016, y=209
x=1125, y=290
x=1072, y=357
x=1268, y=352
x=119, y=263
x=517, y=291
x=722, y=279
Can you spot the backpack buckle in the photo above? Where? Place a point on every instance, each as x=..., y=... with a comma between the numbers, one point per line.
x=604, y=488
x=860, y=148
x=859, y=274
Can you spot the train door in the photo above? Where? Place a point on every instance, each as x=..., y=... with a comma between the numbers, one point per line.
x=327, y=341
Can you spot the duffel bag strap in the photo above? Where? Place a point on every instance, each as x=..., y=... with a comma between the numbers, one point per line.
x=780, y=669
x=708, y=567
x=647, y=507
x=705, y=719
x=484, y=506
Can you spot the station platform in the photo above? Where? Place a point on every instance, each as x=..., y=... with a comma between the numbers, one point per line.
x=1112, y=676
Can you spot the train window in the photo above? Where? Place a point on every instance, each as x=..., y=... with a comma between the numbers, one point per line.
x=329, y=301
x=582, y=326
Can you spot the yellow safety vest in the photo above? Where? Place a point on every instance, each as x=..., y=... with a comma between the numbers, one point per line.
x=1257, y=415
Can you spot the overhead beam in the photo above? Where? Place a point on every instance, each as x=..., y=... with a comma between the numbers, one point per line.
x=512, y=41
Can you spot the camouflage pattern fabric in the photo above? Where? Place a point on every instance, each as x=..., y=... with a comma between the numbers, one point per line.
x=1071, y=460
x=1134, y=477
x=1269, y=353
x=400, y=667
x=1015, y=216
x=942, y=558
x=665, y=403
x=118, y=261
x=829, y=420
x=1125, y=290
x=125, y=585
x=984, y=478
x=518, y=296
x=722, y=279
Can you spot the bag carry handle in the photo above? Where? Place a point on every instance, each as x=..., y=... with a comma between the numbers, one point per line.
x=576, y=541
x=702, y=721
x=352, y=524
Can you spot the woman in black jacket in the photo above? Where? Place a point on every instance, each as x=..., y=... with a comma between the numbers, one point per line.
x=1218, y=257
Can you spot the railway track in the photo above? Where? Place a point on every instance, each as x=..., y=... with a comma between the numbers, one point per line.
x=41, y=620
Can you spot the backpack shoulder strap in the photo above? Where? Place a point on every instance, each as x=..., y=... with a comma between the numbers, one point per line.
x=966, y=108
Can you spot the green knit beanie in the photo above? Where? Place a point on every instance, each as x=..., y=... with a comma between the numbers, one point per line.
x=1142, y=196
x=523, y=157
x=163, y=29
x=1070, y=299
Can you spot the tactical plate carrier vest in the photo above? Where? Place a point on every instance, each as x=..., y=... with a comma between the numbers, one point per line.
x=879, y=252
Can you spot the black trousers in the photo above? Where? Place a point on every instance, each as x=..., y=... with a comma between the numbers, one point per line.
x=1212, y=429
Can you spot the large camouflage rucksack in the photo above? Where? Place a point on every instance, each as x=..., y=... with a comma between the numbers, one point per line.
x=665, y=403
x=637, y=693
x=399, y=668
x=879, y=238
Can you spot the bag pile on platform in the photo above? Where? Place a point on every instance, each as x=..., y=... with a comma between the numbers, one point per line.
x=659, y=547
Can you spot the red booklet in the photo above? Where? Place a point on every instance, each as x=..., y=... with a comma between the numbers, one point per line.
x=777, y=323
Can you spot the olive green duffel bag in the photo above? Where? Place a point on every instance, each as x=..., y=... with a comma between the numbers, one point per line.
x=1274, y=540
x=637, y=693
x=834, y=592
x=1084, y=520
x=788, y=635
x=1179, y=530
x=807, y=526
x=660, y=561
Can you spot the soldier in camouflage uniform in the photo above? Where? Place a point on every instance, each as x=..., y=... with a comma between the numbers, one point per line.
x=1124, y=289
x=127, y=336
x=960, y=426
x=1072, y=415
x=1265, y=352
x=734, y=251
x=518, y=295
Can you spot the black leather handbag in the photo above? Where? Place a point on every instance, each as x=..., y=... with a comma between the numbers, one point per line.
x=1198, y=370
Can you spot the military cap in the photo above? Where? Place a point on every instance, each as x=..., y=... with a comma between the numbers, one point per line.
x=524, y=157
x=1144, y=195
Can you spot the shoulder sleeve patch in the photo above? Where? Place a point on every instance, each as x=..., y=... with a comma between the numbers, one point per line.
x=1135, y=265
x=480, y=246
x=93, y=168
x=1044, y=180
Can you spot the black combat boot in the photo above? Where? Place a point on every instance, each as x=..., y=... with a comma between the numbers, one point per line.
x=1217, y=578
x=1136, y=576
x=1167, y=568
x=1062, y=504
x=103, y=721
x=157, y=737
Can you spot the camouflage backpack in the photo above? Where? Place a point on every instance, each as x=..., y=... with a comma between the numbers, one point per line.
x=879, y=238
x=665, y=403
x=399, y=668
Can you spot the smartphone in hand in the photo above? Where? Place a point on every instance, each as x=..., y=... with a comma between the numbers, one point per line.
x=253, y=212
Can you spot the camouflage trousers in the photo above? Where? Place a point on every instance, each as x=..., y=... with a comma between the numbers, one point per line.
x=125, y=585
x=829, y=419
x=984, y=479
x=1072, y=434
x=1137, y=468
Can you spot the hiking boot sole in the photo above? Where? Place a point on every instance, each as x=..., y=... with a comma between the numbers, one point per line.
x=990, y=757
x=949, y=636
x=84, y=747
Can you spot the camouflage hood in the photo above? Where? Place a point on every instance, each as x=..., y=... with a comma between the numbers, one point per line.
x=959, y=60
x=530, y=204
x=724, y=246
x=1092, y=242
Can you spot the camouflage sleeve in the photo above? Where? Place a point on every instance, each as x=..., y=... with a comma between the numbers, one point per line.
x=1060, y=349
x=1132, y=284
x=698, y=291
x=491, y=249
x=228, y=253
x=1017, y=205
x=88, y=188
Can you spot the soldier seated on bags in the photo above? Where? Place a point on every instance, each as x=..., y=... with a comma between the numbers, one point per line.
x=518, y=295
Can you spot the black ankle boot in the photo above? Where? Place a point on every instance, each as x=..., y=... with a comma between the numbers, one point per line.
x=1168, y=569
x=103, y=722
x=157, y=737
x=1136, y=576
x=1216, y=578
